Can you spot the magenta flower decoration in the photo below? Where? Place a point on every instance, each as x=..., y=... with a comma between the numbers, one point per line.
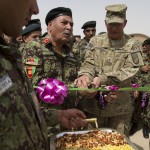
x=112, y=88
x=52, y=91
x=102, y=102
x=144, y=98
x=135, y=85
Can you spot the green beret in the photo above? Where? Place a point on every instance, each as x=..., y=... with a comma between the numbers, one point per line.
x=116, y=13
x=56, y=12
x=30, y=28
x=89, y=24
x=146, y=42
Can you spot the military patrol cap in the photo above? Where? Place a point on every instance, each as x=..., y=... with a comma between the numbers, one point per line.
x=146, y=42
x=101, y=33
x=116, y=13
x=56, y=12
x=31, y=28
x=34, y=21
x=89, y=24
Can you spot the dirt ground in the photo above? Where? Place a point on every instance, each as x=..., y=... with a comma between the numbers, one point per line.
x=140, y=142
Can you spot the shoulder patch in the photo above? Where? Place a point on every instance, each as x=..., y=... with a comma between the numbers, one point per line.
x=31, y=64
x=135, y=58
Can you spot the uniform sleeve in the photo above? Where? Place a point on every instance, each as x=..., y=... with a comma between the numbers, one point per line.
x=50, y=117
x=88, y=66
x=32, y=61
x=131, y=67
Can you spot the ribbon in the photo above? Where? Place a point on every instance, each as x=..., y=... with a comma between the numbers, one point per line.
x=52, y=91
x=134, y=87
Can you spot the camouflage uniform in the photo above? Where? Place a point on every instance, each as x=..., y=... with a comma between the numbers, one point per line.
x=21, y=122
x=79, y=49
x=144, y=79
x=115, y=64
x=40, y=56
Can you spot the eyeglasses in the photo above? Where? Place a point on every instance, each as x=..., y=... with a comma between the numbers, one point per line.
x=88, y=30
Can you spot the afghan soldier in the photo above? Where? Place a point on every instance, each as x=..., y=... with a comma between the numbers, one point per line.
x=21, y=122
x=32, y=31
x=114, y=59
x=142, y=111
x=145, y=115
x=51, y=57
x=143, y=79
x=80, y=48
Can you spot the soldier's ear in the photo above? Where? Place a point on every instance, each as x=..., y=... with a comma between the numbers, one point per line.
x=125, y=22
x=49, y=26
x=24, y=38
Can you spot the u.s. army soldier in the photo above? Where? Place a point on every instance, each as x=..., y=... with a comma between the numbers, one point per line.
x=114, y=59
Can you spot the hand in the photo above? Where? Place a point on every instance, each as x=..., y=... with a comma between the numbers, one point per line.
x=82, y=82
x=136, y=94
x=96, y=82
x=111, y=97
x=145, y=68
x=71, y=118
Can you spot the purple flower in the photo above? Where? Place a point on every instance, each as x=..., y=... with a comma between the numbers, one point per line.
x=113, y=88
x=102, y=101
x=135, y=85
x=144, y=98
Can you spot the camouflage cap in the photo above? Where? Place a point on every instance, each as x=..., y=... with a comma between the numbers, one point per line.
x=116, y=13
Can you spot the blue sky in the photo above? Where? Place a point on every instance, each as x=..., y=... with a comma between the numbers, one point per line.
x=138, y=13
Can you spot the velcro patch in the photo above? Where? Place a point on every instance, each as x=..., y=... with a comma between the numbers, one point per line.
x=5, y=84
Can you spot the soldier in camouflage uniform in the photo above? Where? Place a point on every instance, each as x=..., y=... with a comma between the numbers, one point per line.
x=79, y=48
x=143, y=79
x=50, y=57
x=114, y=59
x=145, y=115
x=32, y=31
x=21, y=122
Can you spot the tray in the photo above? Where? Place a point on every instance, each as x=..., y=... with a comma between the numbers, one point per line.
x=53, y=138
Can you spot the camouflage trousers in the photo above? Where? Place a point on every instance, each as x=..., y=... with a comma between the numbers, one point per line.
x=136, y=117
x=120, y=123
x=145, y=115
x=141, y=114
